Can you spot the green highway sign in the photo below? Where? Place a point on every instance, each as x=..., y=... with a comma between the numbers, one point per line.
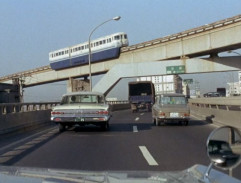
x=188, y=81
x=175, y=69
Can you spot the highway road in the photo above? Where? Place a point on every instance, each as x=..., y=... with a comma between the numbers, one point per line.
x=132, y=143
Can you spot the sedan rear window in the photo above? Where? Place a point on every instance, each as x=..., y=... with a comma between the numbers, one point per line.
x=173, y=100
x=78, y=99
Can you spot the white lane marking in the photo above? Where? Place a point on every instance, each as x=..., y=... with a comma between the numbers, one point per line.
x=135, y=129
x=142, y=114
x=151, y=161
x=137, y=118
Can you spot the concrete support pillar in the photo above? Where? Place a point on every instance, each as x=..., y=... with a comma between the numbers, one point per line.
x=75, y=85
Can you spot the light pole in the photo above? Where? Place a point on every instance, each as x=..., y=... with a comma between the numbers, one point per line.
x=90, y=76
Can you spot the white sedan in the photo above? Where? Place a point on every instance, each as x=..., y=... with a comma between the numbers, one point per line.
x=82, y=108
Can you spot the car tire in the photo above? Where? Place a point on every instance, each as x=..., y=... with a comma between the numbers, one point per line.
x=61, y=127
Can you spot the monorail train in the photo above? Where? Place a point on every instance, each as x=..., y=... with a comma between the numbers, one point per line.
x=103, y=48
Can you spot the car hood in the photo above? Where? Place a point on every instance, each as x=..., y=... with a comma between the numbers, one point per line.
x=37, y=175
x=82, y=106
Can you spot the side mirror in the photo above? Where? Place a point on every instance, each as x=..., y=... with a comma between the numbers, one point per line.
x=224, y=148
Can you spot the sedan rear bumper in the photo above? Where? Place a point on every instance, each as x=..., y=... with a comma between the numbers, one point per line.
x=77, y=120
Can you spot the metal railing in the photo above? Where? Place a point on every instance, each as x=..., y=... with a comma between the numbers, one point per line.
x=7, y=108
x=186, y=33
x=219, y=103
x=118, y=102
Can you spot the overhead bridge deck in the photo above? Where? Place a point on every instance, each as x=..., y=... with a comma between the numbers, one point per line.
x=209, y=39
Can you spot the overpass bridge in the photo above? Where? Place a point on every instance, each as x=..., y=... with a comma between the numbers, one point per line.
x=209, y=39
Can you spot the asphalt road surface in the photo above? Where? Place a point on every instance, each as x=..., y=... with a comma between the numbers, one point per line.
x=132, y=143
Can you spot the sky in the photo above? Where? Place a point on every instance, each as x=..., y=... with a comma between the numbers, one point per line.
x=30, y=29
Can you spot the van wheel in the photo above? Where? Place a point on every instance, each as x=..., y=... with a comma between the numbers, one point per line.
x=157, y=123
x=153, y=121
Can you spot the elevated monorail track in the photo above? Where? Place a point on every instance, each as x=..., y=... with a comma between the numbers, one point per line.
x=165, y=40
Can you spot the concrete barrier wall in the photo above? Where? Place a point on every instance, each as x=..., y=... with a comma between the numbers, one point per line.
x=15, y=117
x=220, y=110
x=19, y=116
x=117, y=107
x=18, y=121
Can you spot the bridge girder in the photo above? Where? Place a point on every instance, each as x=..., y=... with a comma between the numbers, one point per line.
x=194, y=65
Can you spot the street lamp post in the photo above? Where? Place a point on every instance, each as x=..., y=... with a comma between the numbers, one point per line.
x=90, y=76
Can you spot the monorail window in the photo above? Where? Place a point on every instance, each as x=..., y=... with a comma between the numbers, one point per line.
x=100, y=42
x=97, y=43
x=104, y=41
x=109, y=40
x=62, y=52
x=125, y=36
x=117, y=37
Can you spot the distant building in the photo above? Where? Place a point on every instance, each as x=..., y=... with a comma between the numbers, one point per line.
x=234, y=89
x=165, y=84
x=9, y=93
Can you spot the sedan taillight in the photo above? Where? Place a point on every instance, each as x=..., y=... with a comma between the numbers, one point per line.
x=103, y=112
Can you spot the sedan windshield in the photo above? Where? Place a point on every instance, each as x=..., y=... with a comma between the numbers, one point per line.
x=173, y=100
x=77, y=99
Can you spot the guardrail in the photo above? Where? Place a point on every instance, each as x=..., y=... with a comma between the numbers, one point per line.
x=18, y=116
x=219, y=110
x=119, y=105
x=7, y=108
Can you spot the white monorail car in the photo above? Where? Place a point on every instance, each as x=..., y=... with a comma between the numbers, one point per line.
x=103, y=48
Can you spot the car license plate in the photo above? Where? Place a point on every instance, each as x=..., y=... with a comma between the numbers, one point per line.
x=174, y=114
x=80, y=119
